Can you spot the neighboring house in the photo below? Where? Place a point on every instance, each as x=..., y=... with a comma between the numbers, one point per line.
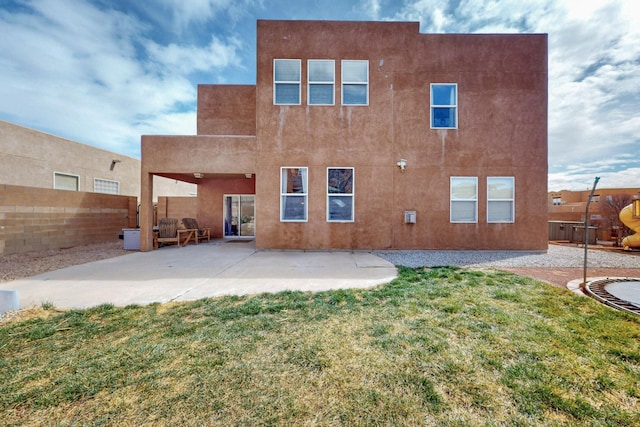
x=36, y=159
x=370, y=135
x=569, y=207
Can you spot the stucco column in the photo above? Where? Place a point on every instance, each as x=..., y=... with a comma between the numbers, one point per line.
x=146, y=211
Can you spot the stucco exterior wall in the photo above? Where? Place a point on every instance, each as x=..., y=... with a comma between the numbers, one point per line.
x=502, y=131
x=226, y=110
x=207, y=208
x=30, y=158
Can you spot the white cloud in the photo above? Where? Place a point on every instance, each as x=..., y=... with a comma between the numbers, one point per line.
x=103, y=76
x=594, y=91
x=95, y=75
x=594, y=84
x=187, y=59
x=186, y=13
x=372, y=9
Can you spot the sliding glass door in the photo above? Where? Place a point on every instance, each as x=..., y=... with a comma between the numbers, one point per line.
x=239, y=216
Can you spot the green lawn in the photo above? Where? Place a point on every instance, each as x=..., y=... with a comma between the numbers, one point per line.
x=440, y=346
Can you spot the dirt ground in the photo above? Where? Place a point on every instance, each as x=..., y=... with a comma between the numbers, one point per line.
x=19, y=266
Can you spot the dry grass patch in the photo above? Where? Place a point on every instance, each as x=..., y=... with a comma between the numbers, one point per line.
x=439, y=346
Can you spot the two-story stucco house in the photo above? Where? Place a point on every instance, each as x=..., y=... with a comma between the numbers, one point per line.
x=370, y=135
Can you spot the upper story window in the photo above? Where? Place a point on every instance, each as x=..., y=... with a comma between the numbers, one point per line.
x=464, y=199
x=355, y=82
x=595, y=198
x=64, y=181
x=106, y=186
x=293, y=194
x=286, y=81
x=340, y=195
x=321, y=81
x=444, y=106
x=500, y=199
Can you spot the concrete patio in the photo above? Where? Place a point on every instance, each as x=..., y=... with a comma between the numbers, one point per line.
x=199, y=271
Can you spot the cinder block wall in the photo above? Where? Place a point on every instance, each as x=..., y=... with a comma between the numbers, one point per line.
x=40, y=218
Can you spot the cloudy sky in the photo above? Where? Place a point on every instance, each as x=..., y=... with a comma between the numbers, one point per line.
x=104, y=72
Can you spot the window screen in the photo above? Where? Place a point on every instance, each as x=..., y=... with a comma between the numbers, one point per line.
x=321, y=81
x=63, y=181
x=500, y=199
x=464, y=199
x=355, y=82
x=286, y=81
x=444, y=105
x=340, y=206
x=293, y=194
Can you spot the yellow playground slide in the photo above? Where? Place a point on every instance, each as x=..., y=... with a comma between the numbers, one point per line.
x=628, y=219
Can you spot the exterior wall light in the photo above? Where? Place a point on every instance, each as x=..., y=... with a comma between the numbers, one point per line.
x=198, y=175
x=402, y=164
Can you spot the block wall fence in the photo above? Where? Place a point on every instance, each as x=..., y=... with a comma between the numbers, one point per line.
x=39, y=218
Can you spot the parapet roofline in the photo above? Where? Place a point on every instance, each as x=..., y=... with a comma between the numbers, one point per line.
x=408, y=24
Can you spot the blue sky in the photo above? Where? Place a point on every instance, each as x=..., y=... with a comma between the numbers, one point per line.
x=104, y=72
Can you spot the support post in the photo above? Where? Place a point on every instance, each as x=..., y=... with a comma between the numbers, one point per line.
x=586, y=231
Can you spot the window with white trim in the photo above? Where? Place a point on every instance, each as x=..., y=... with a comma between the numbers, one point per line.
x=464, y=199
x=355, y=82
x=286, y=81
x=65, y=181
x=340, y=206
x=293, y=194
x=321, y=73
x=500, y=199
x=106, y=186
x=444, y=106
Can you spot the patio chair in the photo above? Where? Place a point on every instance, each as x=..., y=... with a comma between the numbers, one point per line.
x=169, y=233
x=201, y=233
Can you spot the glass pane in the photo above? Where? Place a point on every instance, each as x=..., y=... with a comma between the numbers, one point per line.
x=463, y=211
x=66, y=182
x=500, y=188
x=443, y=117
x=320, y=94
x=500, y=212
x=340, y=208
x=443, y=95
x=294, y=180
x=287, y=93
x=247, y=216
x=463, y=188
x=231, y=208
x=105, y=186
x=340, y=181
x=321, y=71
x=287, y=70
x=354, y=94
x=355, y=71
x=293, y=208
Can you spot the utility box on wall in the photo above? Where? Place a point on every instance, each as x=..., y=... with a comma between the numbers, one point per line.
x=409, y=217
